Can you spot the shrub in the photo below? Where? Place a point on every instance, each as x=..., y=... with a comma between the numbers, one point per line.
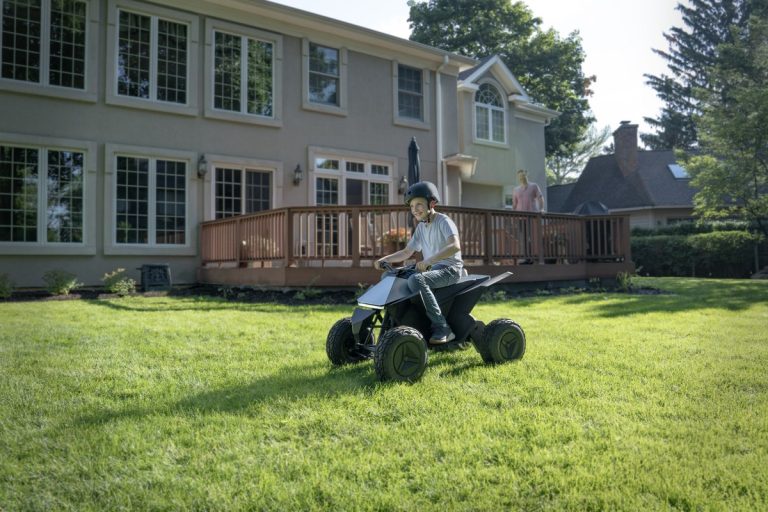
x=6, y=286
x=60, y=282
x=624, y=282
x=724, y=253
x=715, y=254
x=117, y=282
x=692, y=228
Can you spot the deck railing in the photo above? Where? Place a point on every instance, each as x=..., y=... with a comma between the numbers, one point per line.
x=319, y=235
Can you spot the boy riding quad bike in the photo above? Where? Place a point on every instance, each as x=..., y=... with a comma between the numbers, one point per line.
x=403, y=326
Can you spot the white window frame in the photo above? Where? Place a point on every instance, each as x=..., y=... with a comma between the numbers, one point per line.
x=275, y=120
x=341, y=108
x=42, y=246
x=342, y=174
x=233, y=162
x=424, y=123
x=111, y=247
x=190, y=108
x=504, y=110
x=42, y=88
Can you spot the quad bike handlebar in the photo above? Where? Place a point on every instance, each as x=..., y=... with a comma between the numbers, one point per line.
x=403, y=271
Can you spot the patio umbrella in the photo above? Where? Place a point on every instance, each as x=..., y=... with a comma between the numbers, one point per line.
x=414, y=167
x=414, y=173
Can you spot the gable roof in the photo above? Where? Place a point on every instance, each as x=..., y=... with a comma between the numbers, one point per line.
x=500, y=72
x=652, y=184
x=514, y=92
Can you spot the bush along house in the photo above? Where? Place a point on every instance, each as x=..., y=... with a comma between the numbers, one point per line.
x=245, y=142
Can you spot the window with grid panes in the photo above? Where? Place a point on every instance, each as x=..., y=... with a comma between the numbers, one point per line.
x=147, y=43
x=236, y=57
x=40, y=35
x=150, y=201
x=40, y=183
x=381, y=170
x=379, y=193
x=410, y=93
x=356, y=167
x=490, y=115
x=327, y=224
x=241, y=191
x=323, y=75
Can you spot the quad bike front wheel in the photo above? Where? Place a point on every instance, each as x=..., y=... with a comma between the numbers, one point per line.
x=340, y=344
x=401, y=355
x=502, y=340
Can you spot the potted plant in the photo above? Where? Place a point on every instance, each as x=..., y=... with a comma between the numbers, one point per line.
x=394, y=239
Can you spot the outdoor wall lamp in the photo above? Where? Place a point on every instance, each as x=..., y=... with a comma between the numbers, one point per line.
x=403, y=185
x=202, y=167
x=298, y=174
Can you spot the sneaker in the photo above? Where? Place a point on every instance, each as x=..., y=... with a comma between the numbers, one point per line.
x=441, y=334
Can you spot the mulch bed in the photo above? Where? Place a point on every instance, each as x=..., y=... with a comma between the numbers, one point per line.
x=289, y=296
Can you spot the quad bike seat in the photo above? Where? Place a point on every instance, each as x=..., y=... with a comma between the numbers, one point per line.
x=463, y=284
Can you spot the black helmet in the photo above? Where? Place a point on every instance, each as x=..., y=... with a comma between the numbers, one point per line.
x=425, y=189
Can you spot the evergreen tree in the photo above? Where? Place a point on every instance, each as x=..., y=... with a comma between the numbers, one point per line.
x=731, y=172
x=546, y=65
x=692, y=52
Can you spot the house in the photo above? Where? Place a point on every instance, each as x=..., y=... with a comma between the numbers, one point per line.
x=125, y=124
x=649, y=186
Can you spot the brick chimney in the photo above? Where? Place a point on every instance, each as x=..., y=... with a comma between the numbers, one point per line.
x=625, y=147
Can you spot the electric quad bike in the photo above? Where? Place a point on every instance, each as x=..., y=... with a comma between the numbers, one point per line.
x=400, y=354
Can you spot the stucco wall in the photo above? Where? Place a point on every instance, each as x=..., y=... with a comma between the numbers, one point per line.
x=367, y=128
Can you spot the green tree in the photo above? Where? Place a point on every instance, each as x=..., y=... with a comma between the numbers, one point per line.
x=548, y=66
x=732, y=171
x=566, y=168
x=692, y=51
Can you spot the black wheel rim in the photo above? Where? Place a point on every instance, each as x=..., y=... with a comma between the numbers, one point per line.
x=509, y=345
x=408, y=358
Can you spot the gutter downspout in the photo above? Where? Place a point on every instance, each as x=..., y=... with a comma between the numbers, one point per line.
x=441, y=179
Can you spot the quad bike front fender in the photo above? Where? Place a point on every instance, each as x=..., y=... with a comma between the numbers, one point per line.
x=362, y=323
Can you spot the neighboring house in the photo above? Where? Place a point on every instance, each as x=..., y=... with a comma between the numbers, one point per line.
x=125, y=124
x=649, y=186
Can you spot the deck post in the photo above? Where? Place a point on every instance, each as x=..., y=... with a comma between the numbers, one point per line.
x=488, y=237
x=238, y=241
x=355, y=213
x=288, y=238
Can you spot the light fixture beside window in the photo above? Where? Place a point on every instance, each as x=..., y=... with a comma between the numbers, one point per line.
x=403, y=185
x=298, y=174
x=202, y=167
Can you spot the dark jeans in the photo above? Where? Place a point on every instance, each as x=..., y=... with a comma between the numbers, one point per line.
x=425, y=282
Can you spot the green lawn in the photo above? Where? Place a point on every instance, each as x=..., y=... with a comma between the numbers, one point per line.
x=622, y=402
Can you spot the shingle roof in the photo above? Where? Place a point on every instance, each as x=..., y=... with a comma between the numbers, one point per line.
x=556, y=196
x=468, y=72
x=651, y=185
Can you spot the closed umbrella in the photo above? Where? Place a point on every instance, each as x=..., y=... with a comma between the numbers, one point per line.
x=414, y=172
x=414, y=167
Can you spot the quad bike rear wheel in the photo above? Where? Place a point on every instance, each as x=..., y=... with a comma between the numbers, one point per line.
x=401, y=355
x=503, y=340
x=340, y=344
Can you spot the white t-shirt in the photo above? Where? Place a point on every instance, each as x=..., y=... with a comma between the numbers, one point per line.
x=431, y=237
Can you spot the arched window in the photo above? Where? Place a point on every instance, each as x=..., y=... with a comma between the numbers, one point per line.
x=490, y=115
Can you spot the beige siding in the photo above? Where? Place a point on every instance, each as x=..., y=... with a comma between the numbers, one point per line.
x=365, y=127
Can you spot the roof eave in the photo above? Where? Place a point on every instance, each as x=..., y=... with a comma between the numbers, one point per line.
x=291, y=16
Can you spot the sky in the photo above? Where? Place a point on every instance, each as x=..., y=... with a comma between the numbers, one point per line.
x=617, y=37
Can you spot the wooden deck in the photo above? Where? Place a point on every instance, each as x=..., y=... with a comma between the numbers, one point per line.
x=336, y=246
